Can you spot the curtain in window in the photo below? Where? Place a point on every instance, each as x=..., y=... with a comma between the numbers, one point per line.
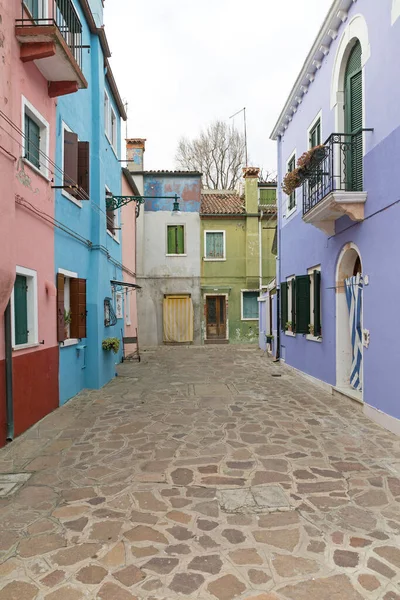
x=250, y=305
x=354, y=287
x=178, y=319
x=215, y=245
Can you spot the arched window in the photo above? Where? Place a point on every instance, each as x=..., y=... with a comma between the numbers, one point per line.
x=353, y=105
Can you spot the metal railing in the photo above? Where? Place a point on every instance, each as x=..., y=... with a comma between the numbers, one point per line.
x=338, y=166
x=55, y=12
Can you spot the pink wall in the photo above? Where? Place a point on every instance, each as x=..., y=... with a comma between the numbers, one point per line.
x=128, y=219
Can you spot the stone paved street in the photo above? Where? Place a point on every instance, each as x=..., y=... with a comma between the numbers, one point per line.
x=208, y=473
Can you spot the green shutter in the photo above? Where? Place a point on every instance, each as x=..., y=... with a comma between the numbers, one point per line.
x=21, y=310
x=292, y=197
x=171, y=239
x=176, y=239
x=284, y=305
x=317, y=303
x=302, y=288
x=354, y=118
x=315, y=134
x=180, y=242
x=293, y=315
x=32, y=141
x=250, y=305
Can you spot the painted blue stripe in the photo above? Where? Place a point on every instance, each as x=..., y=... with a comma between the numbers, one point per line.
x=353, y=287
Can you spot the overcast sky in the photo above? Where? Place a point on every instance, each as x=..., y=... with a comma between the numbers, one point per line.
x=180, y=64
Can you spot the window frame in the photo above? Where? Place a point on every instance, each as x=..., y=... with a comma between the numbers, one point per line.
x=290, y=210
x=113, y=128
x=107, y=115
x=242, y=318
x=310, y=272
x=211, y=259
x=64, y=127
x=32, y=310
x=184, y=253
x=67, y=305
x=290, y=308
x=115, y=235
x=312, y=126
x=44, y=143
x=42, y=10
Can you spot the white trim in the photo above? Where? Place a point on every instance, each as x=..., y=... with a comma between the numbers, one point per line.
x=207, y=258
x=42, y=14
x=67, y=273
x=106, y=110
x=395, y=11
x=242, y=318
x=184, y=253
x=32, y=310
x=64, y=127
x=44, y=146
x=291, y=211
x=69, y=342
x=127, y=306
x=318, y=382
x=289, y=304
x=383, y=419
x=309, y=336
x=116, y=212
x=311, y=127
x=206, y=295
x=313, y=338
x=113, y=128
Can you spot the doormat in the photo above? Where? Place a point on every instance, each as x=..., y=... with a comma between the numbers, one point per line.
x=253, y=500
x=12, y=482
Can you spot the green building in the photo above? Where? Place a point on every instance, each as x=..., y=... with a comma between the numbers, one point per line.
x=237, y=260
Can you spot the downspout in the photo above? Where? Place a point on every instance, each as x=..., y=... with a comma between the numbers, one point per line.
x=9, y=382
x=260, y=249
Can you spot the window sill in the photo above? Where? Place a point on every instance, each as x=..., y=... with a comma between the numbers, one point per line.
x=255, y=319
x=71, y=198
x=37, y=171
x=313, y=338
x=214, y=259
x=113, y=237
x=25, y=346
x=111, y=144
x=69, y=342
x=291, y=212
x=176, y=255
x=290, y=334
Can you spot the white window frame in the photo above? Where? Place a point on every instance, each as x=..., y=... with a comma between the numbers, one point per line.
x=128, y=307
x=115, y=237
x=107, y=115
x=290, y=212
x=395, y=10
x=119, y=305
x=311, y=127
x=211, y=259
x=310, y=272
x=289, y=304
x=32, y=310
x=184, y=239
x=30, y=110
x=110, y=127
x=113, y=128
x=43, y=10
x=67, y=303
x=241, y=306
x=64, y=127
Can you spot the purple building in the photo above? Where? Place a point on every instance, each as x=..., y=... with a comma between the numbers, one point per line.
x=339, y=240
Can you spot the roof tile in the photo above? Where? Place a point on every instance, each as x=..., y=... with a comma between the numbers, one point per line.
x=222, y=202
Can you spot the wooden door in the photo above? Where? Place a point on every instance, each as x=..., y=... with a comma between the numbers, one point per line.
x=216, y=317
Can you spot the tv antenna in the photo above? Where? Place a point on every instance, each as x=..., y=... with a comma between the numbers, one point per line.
x=243, y=110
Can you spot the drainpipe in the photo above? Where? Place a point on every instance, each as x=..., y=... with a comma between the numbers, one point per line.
x=260, y=249
x=9, y=382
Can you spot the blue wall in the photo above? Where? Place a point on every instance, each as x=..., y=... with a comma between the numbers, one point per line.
x=99, y=259
x=165, y=184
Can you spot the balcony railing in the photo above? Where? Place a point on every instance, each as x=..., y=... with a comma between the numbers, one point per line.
x=339, y=167
x=59, y=13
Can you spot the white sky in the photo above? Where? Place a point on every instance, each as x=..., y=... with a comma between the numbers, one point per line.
x=181, y=64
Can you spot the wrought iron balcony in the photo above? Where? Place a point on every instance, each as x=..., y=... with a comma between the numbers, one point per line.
x=50, y=33
x=333, y=182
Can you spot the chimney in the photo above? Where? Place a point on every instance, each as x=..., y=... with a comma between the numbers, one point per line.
x=135, y=148
x=250, y=175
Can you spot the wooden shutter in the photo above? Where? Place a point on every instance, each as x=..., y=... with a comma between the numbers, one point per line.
x=32, y=141
x=171, y=239
x=84, y=167
x=180, y=241
x=78, y=307
x=21, y=310
x=70, y=160
x=317, y=303
x=60, y=308
x=354, y=118
x=284, y=305
x=111, y=221
x=302, y=303
x=293, y=315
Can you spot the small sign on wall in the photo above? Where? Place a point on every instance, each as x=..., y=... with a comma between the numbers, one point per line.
x=119, y=305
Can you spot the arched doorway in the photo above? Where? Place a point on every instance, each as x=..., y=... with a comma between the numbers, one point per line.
x=349, y=290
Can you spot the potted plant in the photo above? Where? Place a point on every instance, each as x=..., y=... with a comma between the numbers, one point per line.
x=111, y=344
x=312, y=157
x=67, y=322
x=305, y=164
x=289, y=326
x=291, y=181
x=311, y=329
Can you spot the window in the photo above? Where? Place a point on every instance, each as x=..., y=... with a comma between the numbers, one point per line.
x=111, y=218
x=288, y=304
x=24, y=309
x=35, y=8
x=71, y=306
x=315, y=329
x=250, y=305
x=292, y=198
x=35, y=138
x=106, y=114
x=113, y=129
x=76, y=166
x=110, y=122
x=175, y=239
x=315, y=134
x=214, y=245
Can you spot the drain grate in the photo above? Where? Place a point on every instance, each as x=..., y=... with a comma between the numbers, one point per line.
x=253, y=500
x=12, y=482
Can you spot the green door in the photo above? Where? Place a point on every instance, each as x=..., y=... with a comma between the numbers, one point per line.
x=354, y=120
x=20, y=310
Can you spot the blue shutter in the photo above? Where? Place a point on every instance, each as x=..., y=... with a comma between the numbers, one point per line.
x=21, y=310
x=32, y=141
x=250, y=305
x=214, y=245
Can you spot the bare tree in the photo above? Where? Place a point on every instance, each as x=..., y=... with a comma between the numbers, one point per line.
x=218, y=153
x=268, y=176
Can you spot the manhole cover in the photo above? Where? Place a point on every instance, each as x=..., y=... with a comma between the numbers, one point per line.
x=11, y=482
x=257, y=499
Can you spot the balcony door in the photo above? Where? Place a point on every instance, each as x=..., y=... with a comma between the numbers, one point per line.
x=354, y=120
x=216, y=317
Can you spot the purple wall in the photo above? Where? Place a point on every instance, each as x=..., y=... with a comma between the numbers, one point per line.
x=302, y=246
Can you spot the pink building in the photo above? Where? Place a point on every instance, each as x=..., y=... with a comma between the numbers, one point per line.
x=128, y=217
x=41, y=60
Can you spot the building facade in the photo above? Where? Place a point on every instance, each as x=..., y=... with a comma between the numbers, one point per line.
x=88, y=251
x=237, y=234
x=337, y=230
x=168, y=250
x=41, y=52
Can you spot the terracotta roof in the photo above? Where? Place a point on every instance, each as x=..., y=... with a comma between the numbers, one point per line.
x=221, y=202
x=166, y=172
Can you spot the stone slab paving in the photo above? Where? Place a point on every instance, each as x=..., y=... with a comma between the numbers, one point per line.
x=200, y=474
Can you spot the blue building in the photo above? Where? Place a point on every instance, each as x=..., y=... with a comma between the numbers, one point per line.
x=88, y=250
